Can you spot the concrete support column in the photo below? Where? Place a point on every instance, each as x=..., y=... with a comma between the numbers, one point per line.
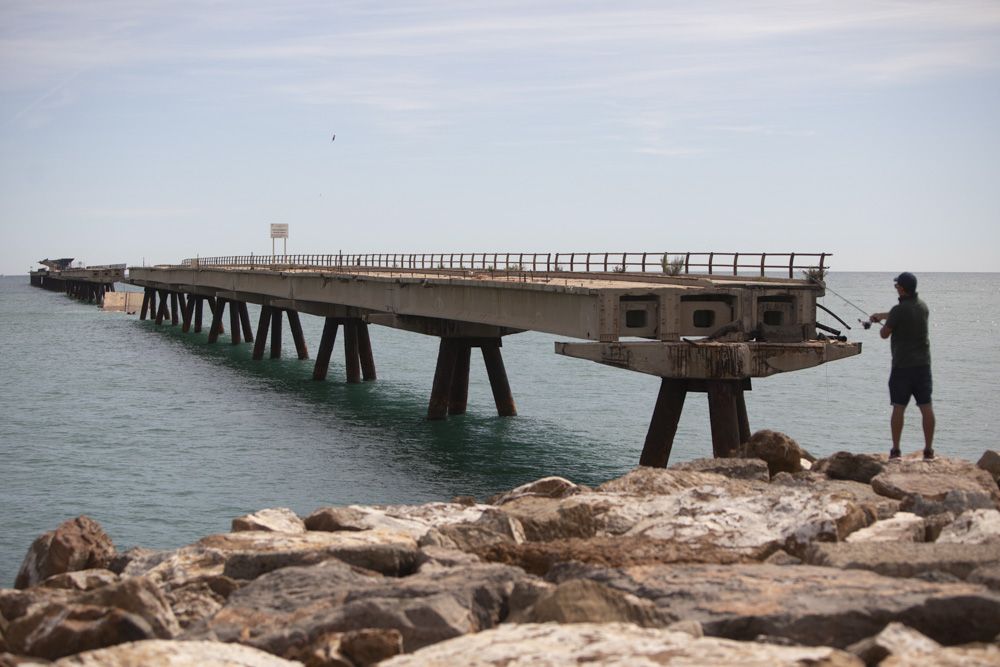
x=296, y=328
x=441, y=390
x=275, y=333
x=263, y=325
x=365, y=351
x=663, y=425
x=458, y=396
x=352, y=359
x=218, y=309
x=245, y=322
x=145, y=303
x=198, y=308
x=235, y=332
x=325, y=348
x=498, y=379
x=723, y=413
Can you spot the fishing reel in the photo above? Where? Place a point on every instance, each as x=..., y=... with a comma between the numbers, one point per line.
x=867, y=324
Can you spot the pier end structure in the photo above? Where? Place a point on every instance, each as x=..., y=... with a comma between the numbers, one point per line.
x=89, y=283
x=698, y=333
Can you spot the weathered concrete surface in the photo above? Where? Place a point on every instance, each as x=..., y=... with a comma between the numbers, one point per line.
x=905, y=559
x=175, y=654
x=551, y=645
x=77, y=544
x=816, y=606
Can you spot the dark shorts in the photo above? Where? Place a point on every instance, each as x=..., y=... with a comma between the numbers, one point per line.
x=906, y=382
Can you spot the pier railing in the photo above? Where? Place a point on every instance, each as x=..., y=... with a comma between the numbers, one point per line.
x=680, y=263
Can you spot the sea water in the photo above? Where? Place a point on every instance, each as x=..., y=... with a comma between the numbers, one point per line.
x=163, y=438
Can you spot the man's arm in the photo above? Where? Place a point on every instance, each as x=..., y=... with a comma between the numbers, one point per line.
x=886, y=330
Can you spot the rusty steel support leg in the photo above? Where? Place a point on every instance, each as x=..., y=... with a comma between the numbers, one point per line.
x=173, y=309
x=216, y=322
x=663, y=425
x=217, y=312
x=296, y=328
x=458, y=396
x=234, y=323
x=276, y=333
x=365, y=351
x=722, y=412
x=198, y=307
x=352, y=359
x=741, y=414
x=145, y=304
x=162, y=311
x=440, y=391
x=325, y=348
x=263, y=324
x=245, y=321
x=498, y=380
x=187, y=312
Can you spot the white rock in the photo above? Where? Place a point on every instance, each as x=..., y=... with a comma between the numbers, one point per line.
x=276, y=519
x=973, y=527
x=903, y=527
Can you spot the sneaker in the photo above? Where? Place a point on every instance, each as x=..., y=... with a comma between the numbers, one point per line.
x=928, y=455
x=894, y=454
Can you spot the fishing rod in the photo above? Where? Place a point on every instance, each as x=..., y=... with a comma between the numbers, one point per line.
x=866, y=323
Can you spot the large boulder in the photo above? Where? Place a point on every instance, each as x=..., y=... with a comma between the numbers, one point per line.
x=854, y=467
x=934, y=480
x=175, y=654
x=948, y=656
x=553, y=644
x=905, y=560
x=285, y=610
x=405, y=521
x=585, y=601
x=990, y=462
x=895, y=639
x=129, y=610
x=276, y=519
x=816, y=606
x=781, y=452
x=77, y=544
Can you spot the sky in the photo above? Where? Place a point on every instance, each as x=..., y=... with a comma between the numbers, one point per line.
x=149, y=132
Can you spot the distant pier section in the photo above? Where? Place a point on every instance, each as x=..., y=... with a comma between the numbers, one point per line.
x=89, y=283
x=702, y=322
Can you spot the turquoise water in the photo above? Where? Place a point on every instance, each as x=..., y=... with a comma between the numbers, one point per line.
x=163, y=438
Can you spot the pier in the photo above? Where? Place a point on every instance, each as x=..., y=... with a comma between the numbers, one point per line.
x=702, y=322
x=89, y=283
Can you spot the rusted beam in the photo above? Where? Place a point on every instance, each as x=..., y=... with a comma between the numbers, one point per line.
x=186, y=312
x=741, y=415
x=245, y=321
x=145, y=304
x=498, y=379
x=263, y=324
x=458, y=397
x=365, y=351
x=352, y=359
x=663, y=425
x=173, y=309
x=325, y=348
x=198, y=307
x=441, y=389
x=162, y=311
x=234, y=322
x=218, y=309
x=722, y=413
x=275, y=333
x=296, y=327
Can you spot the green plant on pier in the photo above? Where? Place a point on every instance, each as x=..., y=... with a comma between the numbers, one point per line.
x=672, y=266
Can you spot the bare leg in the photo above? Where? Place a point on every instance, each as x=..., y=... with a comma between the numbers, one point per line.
x=927, y=412
x=896, y=425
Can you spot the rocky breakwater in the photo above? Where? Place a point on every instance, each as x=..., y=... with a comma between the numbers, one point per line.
x=728, y=561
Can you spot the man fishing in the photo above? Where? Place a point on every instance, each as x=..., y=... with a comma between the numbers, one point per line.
x=906, y=323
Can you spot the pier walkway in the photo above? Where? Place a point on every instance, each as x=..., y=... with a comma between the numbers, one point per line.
x=703, y=322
